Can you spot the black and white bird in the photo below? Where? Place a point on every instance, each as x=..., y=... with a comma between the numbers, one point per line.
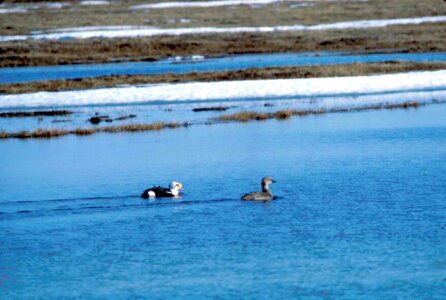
x=264, y=195
x=172, y=191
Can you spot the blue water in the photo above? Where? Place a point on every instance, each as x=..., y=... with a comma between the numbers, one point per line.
x=236, y=62
x=361, y=214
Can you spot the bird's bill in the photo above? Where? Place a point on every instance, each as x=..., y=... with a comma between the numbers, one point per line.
x=180, y=186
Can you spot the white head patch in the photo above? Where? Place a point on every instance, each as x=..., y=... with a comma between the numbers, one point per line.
x=174, y=185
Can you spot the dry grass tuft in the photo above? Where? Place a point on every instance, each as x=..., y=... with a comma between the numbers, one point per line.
x=83, y=131
x=42, y=133
x=135, y=127
x=283, y=114
x=3, y=135
x=49, y=133
x=22, y=135
x=245, y=116
x=141, y=127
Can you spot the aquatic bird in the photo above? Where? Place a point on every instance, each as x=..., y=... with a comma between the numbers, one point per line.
x=172, y=191
x=264, y=195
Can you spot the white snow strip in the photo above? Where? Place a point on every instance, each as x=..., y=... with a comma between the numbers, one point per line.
x=299, y=5
x=54, y=5
x=186, y=4
x=11, y=38
x=12, y=10
x=232, y=90
x=93, y=29
x=23, y=8
x=162, y=5
x=142, y=31
x=95, y=2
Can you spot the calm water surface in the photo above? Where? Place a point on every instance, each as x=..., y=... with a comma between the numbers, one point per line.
x=361, y=214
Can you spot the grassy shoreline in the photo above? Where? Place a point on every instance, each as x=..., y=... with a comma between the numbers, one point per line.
x=356, y=69
x=244, y=117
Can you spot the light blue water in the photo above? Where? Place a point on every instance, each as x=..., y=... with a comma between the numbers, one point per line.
x=236, y=62
x=362, y=213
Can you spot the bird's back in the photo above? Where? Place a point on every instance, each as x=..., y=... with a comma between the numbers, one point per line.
x=158, y=191
x=258, y=196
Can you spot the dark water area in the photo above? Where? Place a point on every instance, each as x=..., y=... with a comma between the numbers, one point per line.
x=198, y=64
x=361, y=213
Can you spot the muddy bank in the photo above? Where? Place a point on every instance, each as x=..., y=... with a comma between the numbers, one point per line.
x=255, y=73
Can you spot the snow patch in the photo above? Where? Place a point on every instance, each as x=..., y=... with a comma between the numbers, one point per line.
x=299, y=5
x=12, y=10
x=95, y=2
x=234, y=90
x=23, y=8
x=192, y=58
x=54, y=5
x=162, y=5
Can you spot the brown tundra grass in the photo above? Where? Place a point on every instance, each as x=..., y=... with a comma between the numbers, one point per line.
x=50, y=133
x=246, y=116
x=83, y=131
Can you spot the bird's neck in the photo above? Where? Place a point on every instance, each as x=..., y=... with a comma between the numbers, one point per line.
x=175, y=192
x=265, y=188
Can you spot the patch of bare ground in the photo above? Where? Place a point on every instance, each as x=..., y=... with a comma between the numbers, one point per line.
x=51, y=133
x=356, y=69
x=244, y=116
x=409, y=38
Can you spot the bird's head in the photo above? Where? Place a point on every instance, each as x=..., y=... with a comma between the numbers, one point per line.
x=267, y=180
x=174, y=185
